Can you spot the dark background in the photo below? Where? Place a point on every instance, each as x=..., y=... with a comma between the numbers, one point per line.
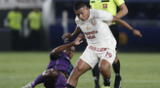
x=143, y=15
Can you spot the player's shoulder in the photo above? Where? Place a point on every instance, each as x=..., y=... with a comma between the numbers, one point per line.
x=94, y=11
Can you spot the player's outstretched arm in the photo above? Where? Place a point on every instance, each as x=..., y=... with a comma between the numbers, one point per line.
x=68, y=36
x=59, y=49
x=125, y=24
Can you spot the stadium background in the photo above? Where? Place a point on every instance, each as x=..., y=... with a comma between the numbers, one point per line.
x=140, y=57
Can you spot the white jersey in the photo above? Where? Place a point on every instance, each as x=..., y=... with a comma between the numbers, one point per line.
x=97, y=33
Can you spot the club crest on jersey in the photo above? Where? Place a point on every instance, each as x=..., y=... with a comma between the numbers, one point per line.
x=93, y=21
x=88, y=27
x=108, y=55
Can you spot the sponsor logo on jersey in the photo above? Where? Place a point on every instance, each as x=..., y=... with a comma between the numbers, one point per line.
x=93, y=21
x=108, y=55
x=88, y=27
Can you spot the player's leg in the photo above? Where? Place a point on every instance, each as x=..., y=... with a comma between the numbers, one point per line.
x=61, y=80
x=116, y=64
x=95, y=73
x=37, y=81
x=88, y=60
x=106, y=60
x=116, y=68
x=105, y=71
x=80, y=68
x=43, y=77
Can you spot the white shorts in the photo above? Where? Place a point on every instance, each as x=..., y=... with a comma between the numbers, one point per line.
x=92, y=55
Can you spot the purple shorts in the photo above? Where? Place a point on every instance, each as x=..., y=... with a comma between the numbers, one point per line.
x=58, y=82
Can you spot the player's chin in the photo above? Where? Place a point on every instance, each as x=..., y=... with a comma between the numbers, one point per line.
x=84, y=19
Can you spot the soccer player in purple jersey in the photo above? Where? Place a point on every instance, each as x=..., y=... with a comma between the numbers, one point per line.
x=58, y=68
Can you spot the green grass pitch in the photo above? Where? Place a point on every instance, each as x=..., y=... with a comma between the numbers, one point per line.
x=139, y=70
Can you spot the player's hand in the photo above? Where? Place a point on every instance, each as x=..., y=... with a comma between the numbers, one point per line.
x=67, y=36
x=137, y=33
x=79, y=40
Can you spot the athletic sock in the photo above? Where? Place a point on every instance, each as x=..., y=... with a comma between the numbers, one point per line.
x=116, y=67
x=95, y=73
x=107, y=82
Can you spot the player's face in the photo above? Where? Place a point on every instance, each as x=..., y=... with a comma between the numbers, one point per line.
x=82, y=13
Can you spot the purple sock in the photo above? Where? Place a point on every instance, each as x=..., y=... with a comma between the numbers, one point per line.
x=37, y=81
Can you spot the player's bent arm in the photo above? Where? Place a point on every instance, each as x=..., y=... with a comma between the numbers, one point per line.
x=59, y=49
x=125, y=24
x=76, y=31
x=123, y=11
x=68, y=36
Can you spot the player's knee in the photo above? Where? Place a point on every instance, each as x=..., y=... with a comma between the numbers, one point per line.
x=78, y=69
x=105, y=71
x=102, y=69
x=75, y=73
x=104, y=66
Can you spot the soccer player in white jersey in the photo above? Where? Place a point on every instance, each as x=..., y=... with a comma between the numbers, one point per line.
x=101, y=43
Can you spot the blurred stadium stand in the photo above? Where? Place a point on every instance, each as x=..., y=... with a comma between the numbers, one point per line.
x=143, y=1
x=125, y=0
x=143, y=15
x=5, y=43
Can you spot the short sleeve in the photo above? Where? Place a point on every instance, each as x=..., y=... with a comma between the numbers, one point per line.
x=104, y=15
x=119, y=2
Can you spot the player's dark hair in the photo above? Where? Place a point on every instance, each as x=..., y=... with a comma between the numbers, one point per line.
x=80, y=4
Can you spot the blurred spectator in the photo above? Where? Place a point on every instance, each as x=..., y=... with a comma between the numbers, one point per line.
x=14, y=23
x=35, y=26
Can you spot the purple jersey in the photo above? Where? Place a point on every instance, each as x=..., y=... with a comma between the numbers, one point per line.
x=60, y=63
